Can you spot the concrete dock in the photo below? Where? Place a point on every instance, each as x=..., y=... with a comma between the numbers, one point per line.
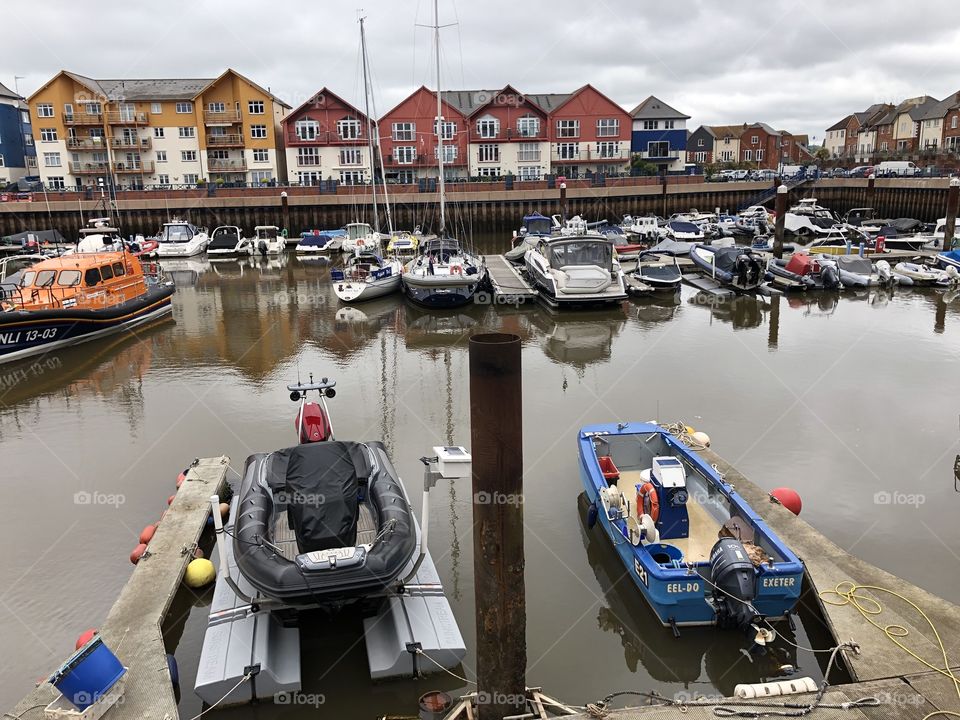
x=510, y=287
x=132, y=629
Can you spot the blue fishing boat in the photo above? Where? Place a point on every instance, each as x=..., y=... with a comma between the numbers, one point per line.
x=698, y=552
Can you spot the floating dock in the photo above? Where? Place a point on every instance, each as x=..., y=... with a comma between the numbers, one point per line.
x=510, y=287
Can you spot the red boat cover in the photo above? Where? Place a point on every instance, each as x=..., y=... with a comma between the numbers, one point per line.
x=316, y=427
x=801, y=264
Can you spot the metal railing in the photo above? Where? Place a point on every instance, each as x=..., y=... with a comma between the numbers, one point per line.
x=89, y=168
x=145, y=167
x=326, y=137
x=124, y=117
x=83, y=118
x=217, y=165
x=131, y=143
x=227, y=117
x=87, y=143
x=231, y=140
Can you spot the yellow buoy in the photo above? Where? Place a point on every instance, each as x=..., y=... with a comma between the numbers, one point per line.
x=200, y=572
x=689, y=429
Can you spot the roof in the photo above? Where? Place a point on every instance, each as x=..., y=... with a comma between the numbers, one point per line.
x=840, y=124
x=920, y=110
x=469, y=101
x=937, y=109
x=7, y=92
x=722, y=131
x=312, y=101
x=653, y=108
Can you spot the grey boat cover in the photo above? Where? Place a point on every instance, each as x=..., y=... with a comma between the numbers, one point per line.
x=671, y=247
x=725, y=258
x=323, y=484
x=905, y=225
x=854, y=264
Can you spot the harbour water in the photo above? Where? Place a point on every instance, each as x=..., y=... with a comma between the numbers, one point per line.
x=851, y=400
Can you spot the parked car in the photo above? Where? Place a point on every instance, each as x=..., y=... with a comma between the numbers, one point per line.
x=861, y=171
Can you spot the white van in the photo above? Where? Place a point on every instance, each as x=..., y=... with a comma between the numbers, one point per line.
x=896, y=167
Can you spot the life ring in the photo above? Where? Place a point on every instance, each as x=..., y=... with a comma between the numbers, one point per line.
x=457, y=269
x=647, y=494
x=360, y=242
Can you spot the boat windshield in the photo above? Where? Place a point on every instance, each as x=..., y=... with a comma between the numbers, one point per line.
x=266, y=233
x=684, y=227
x=357, y=231
x=539, y=226
x=581, y=252
x=176, y=233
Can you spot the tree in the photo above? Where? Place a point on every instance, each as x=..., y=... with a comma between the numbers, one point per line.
x=822, y=154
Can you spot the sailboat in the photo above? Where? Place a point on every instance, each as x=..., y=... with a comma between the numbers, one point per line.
x=367, y=275
x=444, y=274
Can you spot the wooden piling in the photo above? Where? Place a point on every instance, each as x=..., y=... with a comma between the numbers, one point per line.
x=497, y=448
x=781, y=210
x=949, y=231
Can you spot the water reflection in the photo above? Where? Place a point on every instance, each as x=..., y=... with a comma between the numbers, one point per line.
x=656, y=309
x=578, y=339
x=743, y=311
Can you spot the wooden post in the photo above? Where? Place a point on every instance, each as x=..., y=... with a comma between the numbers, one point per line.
x=663, y=194
x=563, y=202
x=773, y=335
x=496, y=432
x=781, y=210
x=871, y=182
x=949, y=230
x=284, y=212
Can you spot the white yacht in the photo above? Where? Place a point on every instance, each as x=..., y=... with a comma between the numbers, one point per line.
x=228, y=241
x=360, y=236
x=268, y=240
x=576, y=270
x=179, y=238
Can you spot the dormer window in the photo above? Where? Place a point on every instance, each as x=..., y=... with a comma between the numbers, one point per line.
x=348, y=128
x=488, y=127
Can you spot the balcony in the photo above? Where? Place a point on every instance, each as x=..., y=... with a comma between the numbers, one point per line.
x=122, y=143
x=95, y=144
x=144, y=168
x=83, y=118
x=322, y=138
x=661, y=156
x=227, y=117
x=124, y=117
x=528, y=156
x=591, y=155
x=227, y=166
x=221, y=141
x=89, y=168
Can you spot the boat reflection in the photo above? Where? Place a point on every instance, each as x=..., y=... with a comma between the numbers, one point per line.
x=579, y=339
x=743, y=311
x=656, y=309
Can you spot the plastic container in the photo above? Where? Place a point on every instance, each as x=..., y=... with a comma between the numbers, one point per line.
x=88, y=674
x=609, y=470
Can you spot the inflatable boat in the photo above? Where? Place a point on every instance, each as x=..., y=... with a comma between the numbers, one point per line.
x=735, y=267
x=804, y=272
x=924, y=276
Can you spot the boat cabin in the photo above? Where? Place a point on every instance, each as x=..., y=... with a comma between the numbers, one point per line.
x=536, y=224
x=90, y=281
x=178, y=232
x=578, y=252
x=266, y=232
x=358, y=231
x=225, y=237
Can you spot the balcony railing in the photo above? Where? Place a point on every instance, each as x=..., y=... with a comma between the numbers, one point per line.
x=122, y=143
x=145, y=168
x=90, y=168
x=215, y=165
x=227, y=117
x=123, y=117
x=660, y=155
x=86, y=143
x=83, y=118
x=225, y=140
x=323, y=138
x=528, y=156
x=591, y=155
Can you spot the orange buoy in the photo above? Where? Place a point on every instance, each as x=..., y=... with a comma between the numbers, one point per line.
x=85, y=637
x=789, y=498
x=648, y=501
x=171, y=499
x=137, y=553
x=182, y=478
x=146, y=534
x=197, y=553
x=224, y=510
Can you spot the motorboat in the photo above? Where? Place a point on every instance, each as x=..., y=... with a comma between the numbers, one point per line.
x=337, y=234
x=76, y=298
x=671, y=247
x=646, y=228
x=735, y=267
x=365, y=277
x=803, y=271
x=179, y=238
x=443, y=275
x=576, y=270
x=949, y=259
x=625, y=247
x=268, y=240
x=360, y=236
x=683, y=231
x=923, y=276
x=856, y=271
x=654, y=275
x=315, y=242
x=403, y=245
x=534, y=227
x=227, y=241
x=99, y=236
x=694, y=548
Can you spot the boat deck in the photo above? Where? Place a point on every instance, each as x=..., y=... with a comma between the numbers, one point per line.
x=285, y=539
x=509, y=285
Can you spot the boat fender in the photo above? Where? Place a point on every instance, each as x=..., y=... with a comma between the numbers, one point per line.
x=199, y=572
x=701, y=437
x=769, y=689
x=138, y=552
x=788, y=497
x=85, y=637
x=146, y=535
x=456, y=270
x=174, y=675
x=649, y=501
x=171, y=499
x=592, y=515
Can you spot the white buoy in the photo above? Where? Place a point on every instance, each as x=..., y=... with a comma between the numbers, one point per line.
x=702, y=438
x=770, y=689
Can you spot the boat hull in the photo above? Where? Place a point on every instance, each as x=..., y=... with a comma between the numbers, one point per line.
x=437, y=295
x=352, y=291
x=24, y=334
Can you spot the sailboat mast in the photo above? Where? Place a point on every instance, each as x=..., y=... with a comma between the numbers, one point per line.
x=436, y=37
x=366, y=101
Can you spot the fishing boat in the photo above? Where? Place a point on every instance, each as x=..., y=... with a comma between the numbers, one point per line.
x=365, y=277
x=179, y=238
x=403, y=245
x=695, y=549
x=268, y=240
x=654, y=275
x=804, y=272
x=315, y=242
x=735, y=267
x=572, y=270
x=227, y=241
x=74, y=299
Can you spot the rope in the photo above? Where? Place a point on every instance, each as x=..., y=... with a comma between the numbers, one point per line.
x=680, y=431
x=241, y=682
x=448, y=672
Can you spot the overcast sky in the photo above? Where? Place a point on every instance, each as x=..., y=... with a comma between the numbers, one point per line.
x=799, y=66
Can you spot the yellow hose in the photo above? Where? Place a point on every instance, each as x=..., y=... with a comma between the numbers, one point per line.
x=848, y=593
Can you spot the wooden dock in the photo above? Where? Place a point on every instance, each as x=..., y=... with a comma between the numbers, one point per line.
x=132, y=628
x=510, y=287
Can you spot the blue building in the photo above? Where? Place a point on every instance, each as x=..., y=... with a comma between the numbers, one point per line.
x=18, y=156
x=659, y=135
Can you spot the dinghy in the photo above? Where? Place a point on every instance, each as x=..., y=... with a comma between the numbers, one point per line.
x=949, y=259
x=694, y=548
x=924, y=276
x=858, y=272
x=734, y=267
x=804, y=272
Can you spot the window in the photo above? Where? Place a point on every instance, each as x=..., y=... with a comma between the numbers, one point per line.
x=528, y=152
x=307, y=129
x=258, y=131
x=55, y=182
x=308, y=156
x=404, y=154
x=668, y=124
x=51, y=159
x=1, y=161
x=649, y=124
x=759, y=155
x=184, y=107
x=217, y=107
x=488, y=127
x=403, y=131
x=92, y=108
x=190, y=178
x=158, y=132
x=161, y=156
x=608, y=149
x=69, y=278
x=118, y=270
x=28, y=139
x=660, y=149
x=261, y=177
x=218, y=154
x=700, y=142
x=351, y=177
x=310, y=178
x=350, y=156
x=748, y=155
x=488, y=172
x=48, y=134
x=568, y=128
x=953, y=123
x=528, y=126
x=608, y=127
x=406, y=177
x=449, y=153
x=188, y=132
x=91, y=277
x=188, y=155
x=45, y=110
x=530, y=172
x=449, y=129
x=156, y=108
x=255, y=107
x=163, y=179
x=261, y=155
x=488, y=153
x=568, y=151
x=699, y=157
x=754, y=139
x=25, y=117
x=884, y=146
x=106, y=272
x=348, y=129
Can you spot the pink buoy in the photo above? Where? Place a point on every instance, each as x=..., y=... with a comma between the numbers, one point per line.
x=147, y=534
x=181, y=479
x=85, y=637
x=171, y=499
x=137, y=553
x=789, y=498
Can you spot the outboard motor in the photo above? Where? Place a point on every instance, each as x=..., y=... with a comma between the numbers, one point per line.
x=735, y=584
x=830, y=276
x=883, y=271
x=262, y=247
